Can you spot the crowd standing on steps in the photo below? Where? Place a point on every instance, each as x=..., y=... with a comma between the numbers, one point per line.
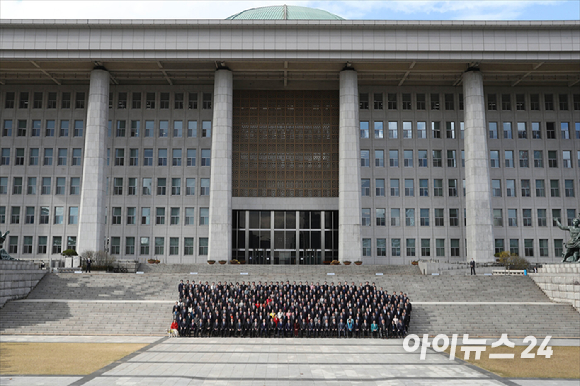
x=281, y=309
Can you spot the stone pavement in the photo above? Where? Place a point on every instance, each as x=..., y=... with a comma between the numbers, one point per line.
x=230, y=361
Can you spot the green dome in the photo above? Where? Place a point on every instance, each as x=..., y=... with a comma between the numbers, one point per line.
x=284, y=12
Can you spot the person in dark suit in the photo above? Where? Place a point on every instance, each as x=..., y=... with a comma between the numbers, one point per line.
x=472, y=265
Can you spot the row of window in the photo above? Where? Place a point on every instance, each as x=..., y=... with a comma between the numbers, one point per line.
x=439, y=217
x=118, y=186
x=134, y=130
x=22, y=129
x=523, y=133
x=45, y=188
x=115, y=245
x=58, y=217
x=448, y=101
x=421, y=130
x=437, y=158
x=62, y=157
x=138, y=100
x=410, y=248
x=452, y=188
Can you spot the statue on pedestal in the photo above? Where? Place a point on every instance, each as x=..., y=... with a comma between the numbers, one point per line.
x=3, y=254
x=572, y=252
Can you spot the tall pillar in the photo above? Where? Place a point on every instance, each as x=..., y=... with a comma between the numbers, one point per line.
x=477, y=183
x=349, y=184
x=92, y=211
x=220, y=199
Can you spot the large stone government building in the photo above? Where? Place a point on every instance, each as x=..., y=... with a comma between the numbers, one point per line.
x=287, y=135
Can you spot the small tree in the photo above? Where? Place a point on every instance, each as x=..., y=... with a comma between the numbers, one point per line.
x=69, y=253
x=513, y=261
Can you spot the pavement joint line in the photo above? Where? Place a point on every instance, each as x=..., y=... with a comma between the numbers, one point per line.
x=340, y=380
x=100, y=372
x=301, y=363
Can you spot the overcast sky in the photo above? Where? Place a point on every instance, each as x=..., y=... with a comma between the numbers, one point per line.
x=361, y=9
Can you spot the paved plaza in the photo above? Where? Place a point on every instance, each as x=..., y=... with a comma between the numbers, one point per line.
x=249, y=361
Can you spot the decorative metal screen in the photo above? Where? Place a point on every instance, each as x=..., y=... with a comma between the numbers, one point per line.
x=285, y=144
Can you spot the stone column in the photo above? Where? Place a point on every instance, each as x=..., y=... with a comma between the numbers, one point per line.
x=92, y=211
x=349, y=184
x=480, y=244
x=220, y=199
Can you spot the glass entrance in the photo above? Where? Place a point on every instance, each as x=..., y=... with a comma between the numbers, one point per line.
x=285, y=237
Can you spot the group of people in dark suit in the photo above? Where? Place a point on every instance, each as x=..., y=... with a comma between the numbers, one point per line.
x=305, y=310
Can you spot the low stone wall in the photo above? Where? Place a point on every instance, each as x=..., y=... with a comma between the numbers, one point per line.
x=454, y=269
x=560, y=282
x=17, y=279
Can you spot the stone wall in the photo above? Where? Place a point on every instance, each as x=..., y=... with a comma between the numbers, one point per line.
x=560, y=282
x=17, y=279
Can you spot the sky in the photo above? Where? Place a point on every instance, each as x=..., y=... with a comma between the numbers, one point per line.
x=352, y=10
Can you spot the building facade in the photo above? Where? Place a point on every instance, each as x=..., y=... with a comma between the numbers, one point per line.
x=289, y=141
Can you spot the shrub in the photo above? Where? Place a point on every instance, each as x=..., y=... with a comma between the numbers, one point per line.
x=415, y=262
x=69, y=252
x=513, y=261
x=335, y=262
x=234, y=261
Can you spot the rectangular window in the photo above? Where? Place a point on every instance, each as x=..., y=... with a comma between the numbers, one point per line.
x=536, y=133
x=512, y=217
x=365, y=158
x=189, y=216
x=150, y=100
x=44, y=215
x=178, y=102
x=203, y=216
x=393, y=130
x=15, y=215
x=64, y=126
x=116, y=216
x=161, y=186
x=499, y=246
x=410, y=217
x=21, y=128
x=29, y=215
x=421, y=130
x=526, y=188
x=437, y=159
x=364, y=129
x=506, y=103
x=60, y=185
x=453, y=217
x=9, y=101
x=159, y=216
x=450, y=130
x=394, y=184
x=524, y=159
x=163, y=129
x=176, y=157
x=17, y=185
x=190, y=186
x=366, y=217
x=135, y=128
x=407, y=130
x=438, y=187
x=7, y=128
x=121, y=127
x=569, y=188
x=452, y=183
x=159, y=245
x=529, y=247
x=117, y=186
x=75, y=186
x=188, y=246
x=551, y=130
x=380, y=215
x=45, y=189
x=425, y=247
x=144, y=248
x=13, y=244
x=507, y=130
x=422, y=158
x=576, y=129
x=174, y=246
x=534, y=102
x=174, y=220
x=3, y=185
x=543, y=247
x=391, y=101
x=133, y=157
x=570, y=215
x=42, y=244
x=161, y=157
x=149, y=128
x=395, y=247
x=205, y=157
x=365, y=187
x=542, y=219
x=538, y=159
x=191, y=129
x=36, y=125
x=549, y=101
x=565, y=130
x=379, y=158
x=394, y=158
x=408, y=158
x=409, y=188
x=23, y=103
x=378, y=126
x=56, y=245
x=380, y=187
x=420, y=101
x=176, y=186
x=164, y=100
x=177, y=129
x=147, y=186
x=378, y=101
x=566, y=159
x=145, y=216
x=435, y=102
x=20, y=157
x=73, y=215
x=119, y=157
x=366, y=247
x=496, y=188
x=192, y=101
x=491, y=101
x=563, y=102
x=424, y=217
x=576, y=101
x=206, y=129
x=31, y=188
x=410, y=243
x=204, y=187
x=363, y=101
x=147, y=157
x=131, y=214
x=407, y=102
x=454, y=248
x=78, y=128
x=552, y=159
x=206, y=101
x=520, y=102
x=395, y=217
x=493, y=130
x=203, y=246
x=424, y=188
x=58, y=215
x=527, y=217
x=556, y=216
x=136, y=98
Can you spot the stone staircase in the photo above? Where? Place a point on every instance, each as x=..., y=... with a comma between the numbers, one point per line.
x=17, y=279
x=100, y=303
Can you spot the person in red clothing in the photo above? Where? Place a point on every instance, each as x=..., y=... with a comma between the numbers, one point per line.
x=173, y=328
